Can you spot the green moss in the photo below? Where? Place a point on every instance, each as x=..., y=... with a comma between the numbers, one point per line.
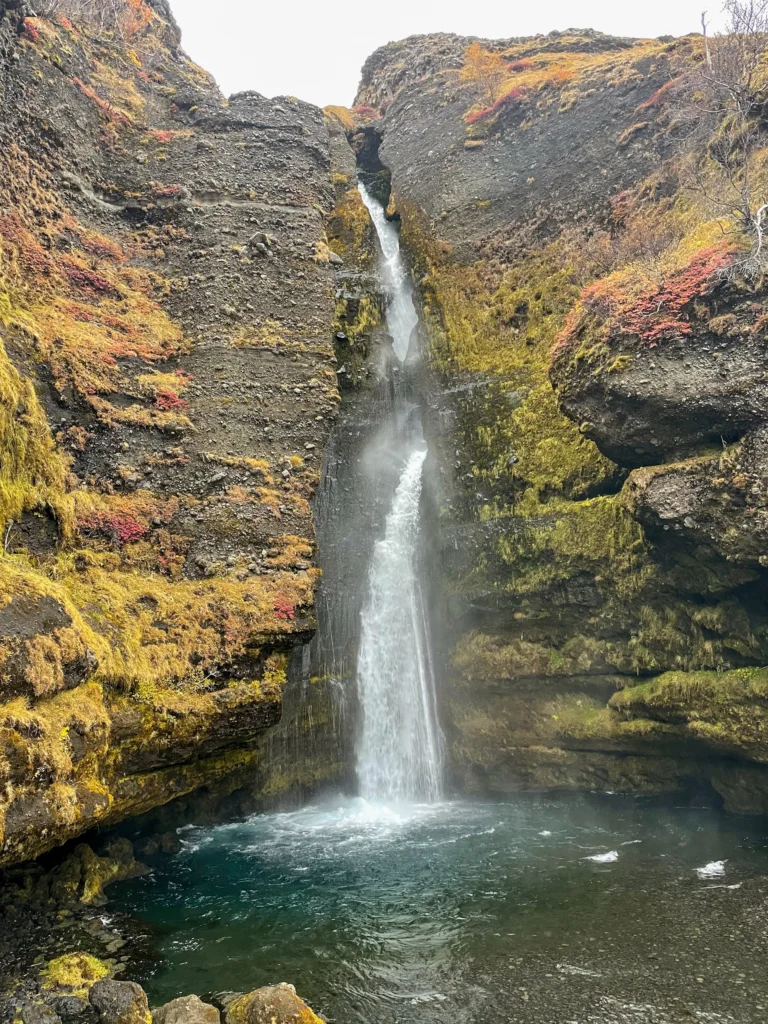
x=597, y=537
x=504, y=328
x=32, y=472
x=724, y=710
x=482, y=657
x=356, y=317
x=349, y=227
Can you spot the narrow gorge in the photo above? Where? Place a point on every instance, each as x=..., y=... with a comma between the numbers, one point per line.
x=384, y=517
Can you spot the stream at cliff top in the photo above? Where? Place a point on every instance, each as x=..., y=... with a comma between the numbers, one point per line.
x=553, y=911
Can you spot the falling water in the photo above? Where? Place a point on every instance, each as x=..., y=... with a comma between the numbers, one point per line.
x=401, y=314
x=399, y=754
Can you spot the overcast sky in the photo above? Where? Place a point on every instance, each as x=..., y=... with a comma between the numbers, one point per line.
x=314, y=49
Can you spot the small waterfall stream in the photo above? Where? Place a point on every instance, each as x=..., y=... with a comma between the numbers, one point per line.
x=401, y=313
x=400, y=746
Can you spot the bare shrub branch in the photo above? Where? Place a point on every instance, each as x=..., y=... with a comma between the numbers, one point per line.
x=720, y=106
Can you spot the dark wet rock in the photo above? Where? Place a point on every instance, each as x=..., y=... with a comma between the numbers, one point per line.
x=120, y=1002
x=718, y=500
x=84, y=874
x=168, y=843
x=39, y=1013
x=662, y=403
x=71, y=1007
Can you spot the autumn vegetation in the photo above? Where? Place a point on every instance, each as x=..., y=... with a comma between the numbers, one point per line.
x=125, y=17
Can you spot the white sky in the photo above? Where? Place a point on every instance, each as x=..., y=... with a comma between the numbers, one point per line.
x=314, y=49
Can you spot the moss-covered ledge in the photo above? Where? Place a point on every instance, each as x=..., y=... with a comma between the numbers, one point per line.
x=725, y=712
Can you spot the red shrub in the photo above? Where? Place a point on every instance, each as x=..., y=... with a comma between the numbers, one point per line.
x=120, y=527
x=85, y=279
x=169, y=191
x=507, y=100
x=31, y=31
x=105, y=108
x=521, y=65
x=658, y=97
x=658, y=312
x=102, y=248
x=166, y=401
x=34, y=259
x=662, y=311
x=284, y=610
x=365, y=111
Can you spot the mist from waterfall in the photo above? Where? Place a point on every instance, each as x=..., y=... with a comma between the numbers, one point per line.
x=400, y=744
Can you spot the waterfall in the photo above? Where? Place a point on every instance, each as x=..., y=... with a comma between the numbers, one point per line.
x=400, y=745
x=401, y=314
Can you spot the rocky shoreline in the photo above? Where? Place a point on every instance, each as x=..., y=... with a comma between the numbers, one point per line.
x=66, y=953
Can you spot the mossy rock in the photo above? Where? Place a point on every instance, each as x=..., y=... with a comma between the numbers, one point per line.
x=275, y=1004
x=74, y=973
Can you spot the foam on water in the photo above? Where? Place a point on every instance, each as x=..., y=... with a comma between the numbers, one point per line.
x=715, y=869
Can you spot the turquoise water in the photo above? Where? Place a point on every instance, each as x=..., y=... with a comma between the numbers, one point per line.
x=553, y=911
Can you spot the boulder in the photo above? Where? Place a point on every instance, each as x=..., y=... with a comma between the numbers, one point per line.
x=186, y=1010
x=83, y=876
x=273, y=1004
x=39, y=1014
x=120, y=1002
x=72, y=974
x=719, y=501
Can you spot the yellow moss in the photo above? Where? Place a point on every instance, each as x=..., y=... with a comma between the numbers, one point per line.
x=269, y=335
x=540, y=73
x=150, y=629
x=83, y=310
x=357, y=319
x=259, y=467
x=349, y=227
x=120, y=90
x=75, y=972
x=239, y=1011
x=33, y=473
x=343, y=115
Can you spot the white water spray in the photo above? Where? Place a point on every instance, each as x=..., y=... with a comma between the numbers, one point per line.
x=400, y=747
x=401, y=314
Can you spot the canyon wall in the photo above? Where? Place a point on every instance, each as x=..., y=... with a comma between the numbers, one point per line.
x=167, y=385
x=174, y=269
x=598, y=427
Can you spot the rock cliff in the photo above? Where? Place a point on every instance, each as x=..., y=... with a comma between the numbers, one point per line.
x=166, y=386
x=598, y=422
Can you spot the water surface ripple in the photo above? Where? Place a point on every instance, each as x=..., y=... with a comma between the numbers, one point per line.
x=462, y=913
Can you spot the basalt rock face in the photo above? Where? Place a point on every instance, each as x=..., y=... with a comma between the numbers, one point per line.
x=167, y=385
x=596, y=433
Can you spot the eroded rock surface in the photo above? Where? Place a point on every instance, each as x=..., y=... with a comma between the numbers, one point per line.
x=167, y=384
